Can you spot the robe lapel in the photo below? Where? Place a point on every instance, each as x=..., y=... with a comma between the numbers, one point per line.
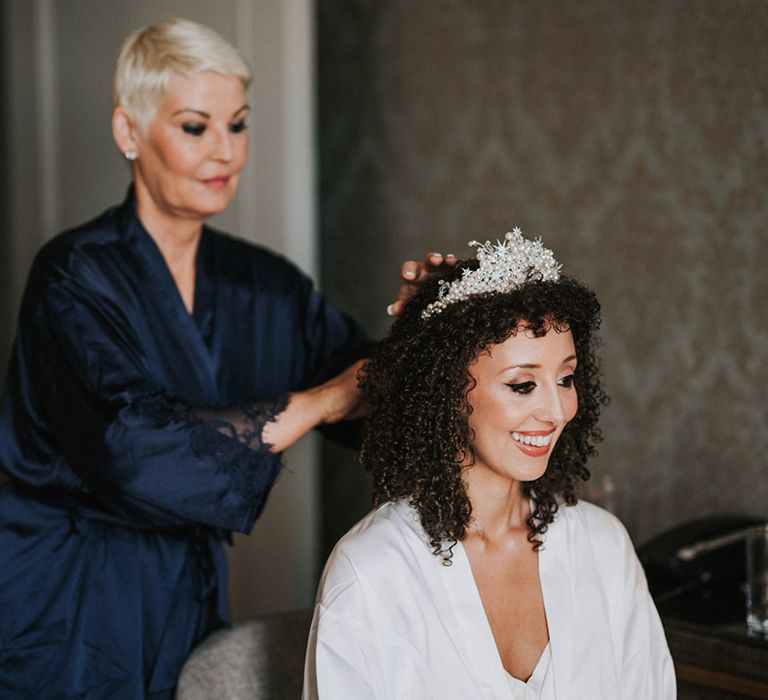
x=459, y=608
x=555, y=574
x=192, y=369
x=473, y=629
x=206, y=291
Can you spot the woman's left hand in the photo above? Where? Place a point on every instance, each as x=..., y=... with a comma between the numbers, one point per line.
x=413, y=272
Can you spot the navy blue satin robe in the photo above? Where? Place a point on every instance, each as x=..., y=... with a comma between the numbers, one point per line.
x=131, y=432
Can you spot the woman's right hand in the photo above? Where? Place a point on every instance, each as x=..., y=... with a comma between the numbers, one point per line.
x=340, y=398
x=341, y=395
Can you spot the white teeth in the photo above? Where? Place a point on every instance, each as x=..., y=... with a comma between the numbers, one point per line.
x=535, y=440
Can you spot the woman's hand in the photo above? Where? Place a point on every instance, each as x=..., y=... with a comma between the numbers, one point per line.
x=342, y=396
x=412, y=272
x=338, y=399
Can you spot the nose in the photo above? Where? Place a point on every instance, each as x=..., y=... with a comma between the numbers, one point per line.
x=551, y=409
x=222, y=146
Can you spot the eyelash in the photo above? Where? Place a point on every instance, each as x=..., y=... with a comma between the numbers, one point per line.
x=567, y=381
x=194, y=129
x=199, y=129
x=527, y=387
x=523, y=387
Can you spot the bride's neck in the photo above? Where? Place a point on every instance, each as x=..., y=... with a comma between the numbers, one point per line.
x=500, y=508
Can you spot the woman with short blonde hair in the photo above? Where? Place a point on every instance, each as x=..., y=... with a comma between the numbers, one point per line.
x=160, y=369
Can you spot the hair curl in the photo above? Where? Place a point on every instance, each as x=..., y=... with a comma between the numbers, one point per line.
x=417, y=436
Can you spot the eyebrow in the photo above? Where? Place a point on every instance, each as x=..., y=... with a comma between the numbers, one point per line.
x=536, y=366
x=205, y=115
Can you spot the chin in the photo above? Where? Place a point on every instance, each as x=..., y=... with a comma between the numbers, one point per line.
x=528, y=477
x=210, y=206
x=529, y=473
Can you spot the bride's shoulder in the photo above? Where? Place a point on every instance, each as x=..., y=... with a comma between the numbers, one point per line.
x=599, y=525
x=385, y=526
x=386, y=535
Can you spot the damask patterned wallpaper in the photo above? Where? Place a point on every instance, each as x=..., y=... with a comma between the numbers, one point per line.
x=633, y=136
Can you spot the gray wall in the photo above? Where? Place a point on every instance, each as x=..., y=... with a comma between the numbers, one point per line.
x=633, y=136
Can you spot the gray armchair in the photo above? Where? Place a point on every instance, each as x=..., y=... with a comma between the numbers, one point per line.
x=261, y=659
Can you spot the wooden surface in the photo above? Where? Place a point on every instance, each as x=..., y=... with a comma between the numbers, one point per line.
x=716, y=664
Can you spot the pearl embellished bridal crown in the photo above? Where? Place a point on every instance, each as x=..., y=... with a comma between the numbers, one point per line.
x=504, y=266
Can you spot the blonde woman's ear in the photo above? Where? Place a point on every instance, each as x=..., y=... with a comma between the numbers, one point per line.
x=123, y=132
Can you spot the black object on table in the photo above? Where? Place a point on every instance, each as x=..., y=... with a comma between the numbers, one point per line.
x=701, y=599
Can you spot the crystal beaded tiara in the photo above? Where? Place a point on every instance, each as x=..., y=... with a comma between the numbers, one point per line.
x=504, y=266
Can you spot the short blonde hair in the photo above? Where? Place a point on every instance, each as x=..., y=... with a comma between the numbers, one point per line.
x=151, y=56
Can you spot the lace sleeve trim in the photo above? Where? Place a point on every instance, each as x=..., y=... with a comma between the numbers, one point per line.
x=229, y=439
x=232, y=437
x=244, y=423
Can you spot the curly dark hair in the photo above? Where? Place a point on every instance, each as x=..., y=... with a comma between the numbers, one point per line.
x=417, y=436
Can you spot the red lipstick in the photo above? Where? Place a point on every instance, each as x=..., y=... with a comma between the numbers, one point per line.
x=533, y=450
x=216, y=183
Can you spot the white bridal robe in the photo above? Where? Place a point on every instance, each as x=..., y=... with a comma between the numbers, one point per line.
x=391, y=621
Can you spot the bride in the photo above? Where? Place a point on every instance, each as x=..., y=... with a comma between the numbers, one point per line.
x=479, y=574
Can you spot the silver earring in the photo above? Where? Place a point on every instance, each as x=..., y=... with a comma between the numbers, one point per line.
x=130, y=155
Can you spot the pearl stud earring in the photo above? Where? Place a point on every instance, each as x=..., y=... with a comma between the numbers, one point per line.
x=130, y=155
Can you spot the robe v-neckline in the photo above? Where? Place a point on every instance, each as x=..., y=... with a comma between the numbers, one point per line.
x=472, y=631
x=191, y=328
x=473, y=618
x=539, y=674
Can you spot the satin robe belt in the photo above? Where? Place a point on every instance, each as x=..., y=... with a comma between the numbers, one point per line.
x=84, y=505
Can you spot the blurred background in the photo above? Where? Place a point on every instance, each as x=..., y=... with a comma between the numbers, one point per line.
x=631, y=135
